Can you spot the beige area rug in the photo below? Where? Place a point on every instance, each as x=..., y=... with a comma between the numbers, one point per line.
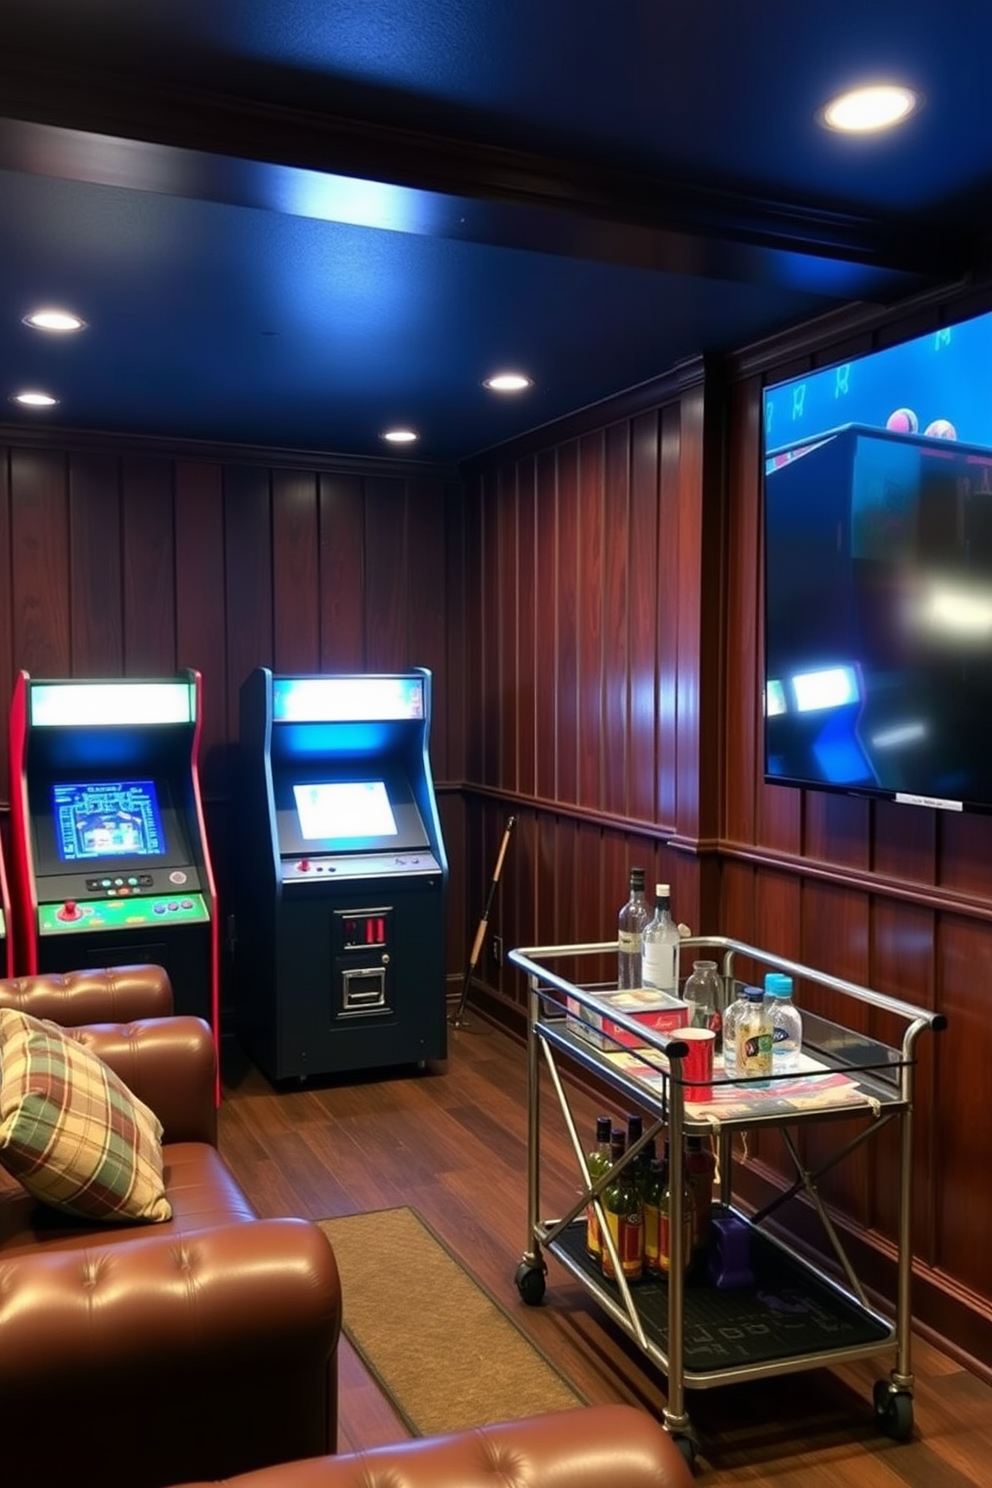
x=440, y=1347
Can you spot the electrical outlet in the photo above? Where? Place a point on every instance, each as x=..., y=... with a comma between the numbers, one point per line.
x=498, y=949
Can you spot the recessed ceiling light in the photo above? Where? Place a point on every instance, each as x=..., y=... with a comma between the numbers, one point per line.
x=35, y=400
x=401, y=436
x=54, y=320
x=864, y=109
x=508, y=382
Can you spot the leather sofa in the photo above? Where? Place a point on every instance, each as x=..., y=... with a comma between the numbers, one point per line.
x=598, y=1446
x=143, y=1355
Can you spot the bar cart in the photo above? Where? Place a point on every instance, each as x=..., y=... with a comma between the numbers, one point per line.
x=761, y=1309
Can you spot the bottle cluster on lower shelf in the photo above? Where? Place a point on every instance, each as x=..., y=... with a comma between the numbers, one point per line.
x=637, y=1201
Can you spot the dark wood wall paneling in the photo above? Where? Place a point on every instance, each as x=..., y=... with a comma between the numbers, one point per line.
x=117, y=563
x=613, y=656
x=589, y=602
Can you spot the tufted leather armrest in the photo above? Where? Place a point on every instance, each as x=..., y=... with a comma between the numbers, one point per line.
x=170, y=1064
x=600, y=1446
x=194, y=1333
x=116, y=994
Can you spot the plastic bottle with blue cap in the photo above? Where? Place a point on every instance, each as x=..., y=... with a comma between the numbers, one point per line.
x=787, y=1023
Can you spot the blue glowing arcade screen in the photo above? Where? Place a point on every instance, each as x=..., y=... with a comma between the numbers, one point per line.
x=107, y=819
x=337, y=810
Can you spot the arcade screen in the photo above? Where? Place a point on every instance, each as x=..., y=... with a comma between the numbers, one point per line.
x=107, y=819
x=878, y=573
x=339, y=810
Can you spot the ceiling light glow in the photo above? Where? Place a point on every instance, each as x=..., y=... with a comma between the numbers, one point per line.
x=401, y=436
x=508, y=382
x=864, y=109
x=54, y=320
x=35, y=399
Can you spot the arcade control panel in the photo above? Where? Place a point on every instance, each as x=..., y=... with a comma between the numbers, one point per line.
x=357, y=865
x=121, y=901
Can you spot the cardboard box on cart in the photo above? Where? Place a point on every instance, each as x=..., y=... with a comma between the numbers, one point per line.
x=652, y=1009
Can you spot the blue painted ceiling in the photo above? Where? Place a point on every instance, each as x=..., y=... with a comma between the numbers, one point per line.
x=297, y=223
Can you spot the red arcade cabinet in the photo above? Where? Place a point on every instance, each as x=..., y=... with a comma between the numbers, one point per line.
x=108, y=847
x=6, y=926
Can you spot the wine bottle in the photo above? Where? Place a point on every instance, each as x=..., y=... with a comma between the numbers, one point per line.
x=624, y=1215
x=597, y=1162
x=654, y=1188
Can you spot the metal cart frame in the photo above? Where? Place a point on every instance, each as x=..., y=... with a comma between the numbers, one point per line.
x=884, y=1076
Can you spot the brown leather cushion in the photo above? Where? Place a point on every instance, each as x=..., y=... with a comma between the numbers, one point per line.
x=199, y=1186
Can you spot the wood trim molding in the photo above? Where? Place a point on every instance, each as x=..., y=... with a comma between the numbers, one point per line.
x=110, y=442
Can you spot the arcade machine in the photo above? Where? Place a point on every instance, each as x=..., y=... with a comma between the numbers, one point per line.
x=108, y=842
x=343, y=876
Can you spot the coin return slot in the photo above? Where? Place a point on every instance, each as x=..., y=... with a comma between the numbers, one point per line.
x=364, y=990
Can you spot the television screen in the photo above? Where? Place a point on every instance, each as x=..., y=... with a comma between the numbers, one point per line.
x=340, y=810
x=107, y=819
x=878, y=573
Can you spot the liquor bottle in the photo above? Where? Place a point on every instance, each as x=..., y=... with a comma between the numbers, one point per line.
x=661, y=945
x=665, y=1221
x=787, y=1023
x=700, y=1170
x=630, y=933
x=624, y=1215
x=753, y=1039
x=597, y=1162
x=654, y=1188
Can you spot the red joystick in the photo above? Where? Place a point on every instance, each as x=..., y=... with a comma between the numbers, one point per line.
x=304, y=865
x=69, y=911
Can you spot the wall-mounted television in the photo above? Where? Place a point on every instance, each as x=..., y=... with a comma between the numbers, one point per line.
x=107, y=819
x=877, y=535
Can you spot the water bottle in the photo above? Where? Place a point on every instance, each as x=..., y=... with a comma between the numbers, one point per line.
x=753, y=1028
x=787, y=1023
x=730, y=1018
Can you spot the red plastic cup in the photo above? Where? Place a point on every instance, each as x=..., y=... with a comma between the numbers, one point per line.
x=697, y=1066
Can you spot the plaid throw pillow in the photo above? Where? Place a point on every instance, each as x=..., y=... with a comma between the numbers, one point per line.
x=70, y=1130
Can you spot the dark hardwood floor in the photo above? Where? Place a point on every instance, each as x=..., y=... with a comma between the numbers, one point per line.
x=451, y=1141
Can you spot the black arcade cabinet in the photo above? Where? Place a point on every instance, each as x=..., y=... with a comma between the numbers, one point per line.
x=108, y=843
x=340, y=947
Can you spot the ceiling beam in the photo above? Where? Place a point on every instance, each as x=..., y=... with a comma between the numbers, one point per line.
x=160, y=134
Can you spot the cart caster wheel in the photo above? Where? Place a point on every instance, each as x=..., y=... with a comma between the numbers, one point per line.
x=688, y=1450
x=531, y=1284
x=893, y=1411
